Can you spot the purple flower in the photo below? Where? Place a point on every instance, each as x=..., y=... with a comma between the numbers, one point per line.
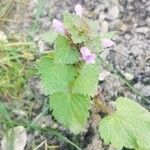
x=79, y=10
x=107, y=43
x=59, y=27
x=87, y=55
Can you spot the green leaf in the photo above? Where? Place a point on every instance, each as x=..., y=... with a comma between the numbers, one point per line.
x=55, y=77
x=94, y=44
x=108, y=35
x=50, y=36
x=72, y=110
x=4, y=114
x=64, y=53
x=83, y=30
x=128, y=126
x=86, y=82
x=72, y=23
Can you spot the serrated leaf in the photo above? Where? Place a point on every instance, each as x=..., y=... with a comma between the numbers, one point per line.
x=64, y=53
x=76, y=27
x=71, y=22
x=72, y=110
x=83, y=30
x=86, y=82
x=128, y=126
x=50, y=36
x=94, y=44
x=55, y=77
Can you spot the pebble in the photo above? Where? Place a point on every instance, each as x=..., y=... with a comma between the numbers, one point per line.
x=3, y=37
x=103, y=75
x=19, y=113
x=104, y=27
x=102, y=16
x=113, y=13
x=128, y=76
x=146, y=90
x=148, y=21
x=142, y=30
x=124, y=27
x=127, y=36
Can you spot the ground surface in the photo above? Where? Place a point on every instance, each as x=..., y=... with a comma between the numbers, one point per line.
x=130, y=57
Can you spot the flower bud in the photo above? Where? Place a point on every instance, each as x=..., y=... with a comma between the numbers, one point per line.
x=79, y=10
x=59, y=27
x=107, y=43
x=87, y=55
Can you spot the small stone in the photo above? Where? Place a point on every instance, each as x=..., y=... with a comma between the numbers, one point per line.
x=113, y=13
x=104, y=27
x=136, y=50
x=130, y=1
x=103, y=75
x=127, y=36
x=128, y=76
x=124, y=27
x=3, y=37
x=146, y=90
x=19, y=113
x=102, y=16
x=148, y=21
x=142, y=30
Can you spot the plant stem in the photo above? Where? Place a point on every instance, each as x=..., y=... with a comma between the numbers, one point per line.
x=13, y=20
x=16, y=44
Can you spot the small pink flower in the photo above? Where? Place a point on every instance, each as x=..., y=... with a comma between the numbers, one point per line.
x=79, y=10
x=107, y=43
x=87, y=55
x=59, y=27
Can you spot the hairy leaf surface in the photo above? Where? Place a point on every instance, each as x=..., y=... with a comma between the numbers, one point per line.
x=65, y=54
x=50, y=36
x=83, y=30
x=86, y=82
x=128, y=127
x=72, y=110
x=55, y=77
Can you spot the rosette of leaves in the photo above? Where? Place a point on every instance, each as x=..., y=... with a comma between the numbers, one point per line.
x=83, y=30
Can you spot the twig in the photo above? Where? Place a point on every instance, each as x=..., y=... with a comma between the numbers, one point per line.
x=101, y=104
x=40, y=145
x=16, y=21
x=16, y=44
